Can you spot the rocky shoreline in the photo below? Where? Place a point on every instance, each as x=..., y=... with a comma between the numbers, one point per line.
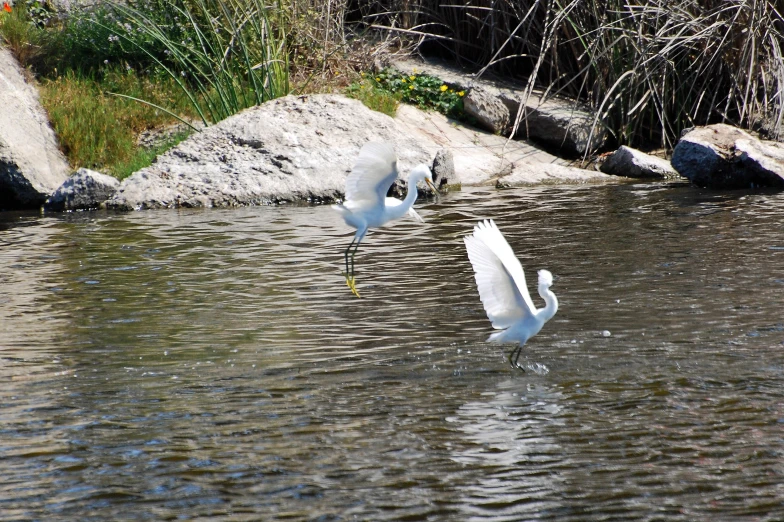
x=300, y=148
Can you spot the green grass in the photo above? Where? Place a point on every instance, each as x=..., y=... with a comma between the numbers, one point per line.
x=373, y=96
x=144, y=156
x=98, y=130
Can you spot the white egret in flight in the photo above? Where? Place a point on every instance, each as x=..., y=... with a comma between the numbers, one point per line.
x=503, y=291
x=367, y=205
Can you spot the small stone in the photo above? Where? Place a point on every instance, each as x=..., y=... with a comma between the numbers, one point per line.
x=444, y=169
x=633, y=163
x=86, y=189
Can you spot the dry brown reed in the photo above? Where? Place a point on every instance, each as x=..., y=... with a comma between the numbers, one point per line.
x=649, y=68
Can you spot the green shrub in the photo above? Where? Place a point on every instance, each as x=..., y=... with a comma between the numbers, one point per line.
x=373, y=96
x=384, y=90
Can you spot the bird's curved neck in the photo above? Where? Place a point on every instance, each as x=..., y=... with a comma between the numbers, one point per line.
x=551, y=304
x=412, y=193
x=408, y=201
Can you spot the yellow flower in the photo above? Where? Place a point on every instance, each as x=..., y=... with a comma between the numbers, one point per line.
x=412, y=78
x=403, y=80
x=411, y=87
x=378, y=79
x=443, y=88
x=362, y=74
x=461, y=93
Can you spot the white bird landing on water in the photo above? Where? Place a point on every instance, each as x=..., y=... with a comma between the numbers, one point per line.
x=367, y=205
x=503, y=290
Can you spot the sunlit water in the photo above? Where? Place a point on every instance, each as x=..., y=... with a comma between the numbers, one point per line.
x=212, y=364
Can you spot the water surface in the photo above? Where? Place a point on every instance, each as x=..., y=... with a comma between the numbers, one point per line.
x=212, y=364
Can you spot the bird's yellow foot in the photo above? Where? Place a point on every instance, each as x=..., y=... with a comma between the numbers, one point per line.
x=351, y=282
x=353, y=287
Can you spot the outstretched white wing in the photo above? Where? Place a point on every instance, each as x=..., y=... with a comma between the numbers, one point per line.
x=499, y=276
x=374, y=172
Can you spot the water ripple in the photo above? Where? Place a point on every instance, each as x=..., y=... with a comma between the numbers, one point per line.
x=213, y=364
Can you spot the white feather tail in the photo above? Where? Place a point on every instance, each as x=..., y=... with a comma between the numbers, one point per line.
x=414, y=214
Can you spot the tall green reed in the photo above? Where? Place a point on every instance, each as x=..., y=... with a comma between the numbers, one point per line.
x=226, y=55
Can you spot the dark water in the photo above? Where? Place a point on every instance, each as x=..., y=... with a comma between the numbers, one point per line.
x=213, y=365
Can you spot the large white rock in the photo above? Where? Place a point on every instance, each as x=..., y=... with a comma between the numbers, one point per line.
x=302, y=148
x=31, y=165
x=291, y=148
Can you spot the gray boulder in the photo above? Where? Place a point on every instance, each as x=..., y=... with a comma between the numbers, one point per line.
x=87, y=189
x=292, y=148
x=564, y=125
x=724, y=157
x=479, y=157
x=31, y=165
x=444, y=174
x=443, y=171
x=488, y=110
x=633, y=163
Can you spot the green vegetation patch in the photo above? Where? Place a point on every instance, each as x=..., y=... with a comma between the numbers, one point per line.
x=98, y=130
x=117, y=69
x=384, y=90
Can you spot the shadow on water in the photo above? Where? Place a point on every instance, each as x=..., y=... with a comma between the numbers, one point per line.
x=213, y=364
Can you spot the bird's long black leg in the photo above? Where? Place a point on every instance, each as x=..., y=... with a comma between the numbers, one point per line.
x=353, y=283
x=516, y=352
x=348, y=273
